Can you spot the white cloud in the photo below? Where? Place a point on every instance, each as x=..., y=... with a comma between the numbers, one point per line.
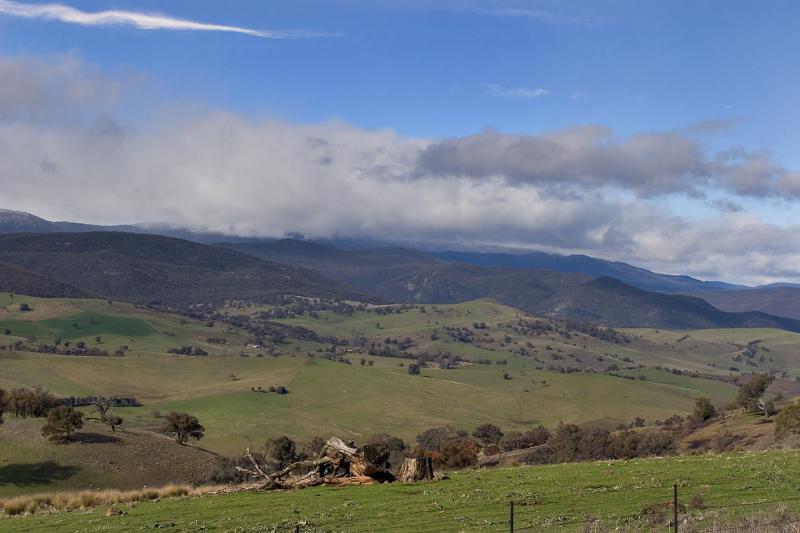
x=224, y=172
x=54, y=87
x=542, y=15
x=143, y=21
x=500, y=91
x=586, y=158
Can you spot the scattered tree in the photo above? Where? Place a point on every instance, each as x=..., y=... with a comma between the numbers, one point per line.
x=488, y=434
x=704, y=409
x=184, y=426
x=62, y=422
x=103, y=406
x=751, y=394
x=35, y=402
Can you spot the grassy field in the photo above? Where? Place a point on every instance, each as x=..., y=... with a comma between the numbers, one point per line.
x=329, y=397
x=569, y=497
x=116, y=323
x=97, y=459
x=352, y=400
x=712, y=351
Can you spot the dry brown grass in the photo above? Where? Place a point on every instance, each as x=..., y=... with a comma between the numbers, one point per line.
x=70, y=501
x=777, y=520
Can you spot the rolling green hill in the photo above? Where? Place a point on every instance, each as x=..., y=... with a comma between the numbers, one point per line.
x=328, y=397
x=511, y=369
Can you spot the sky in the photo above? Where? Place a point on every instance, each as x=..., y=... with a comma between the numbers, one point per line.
x=663, y=134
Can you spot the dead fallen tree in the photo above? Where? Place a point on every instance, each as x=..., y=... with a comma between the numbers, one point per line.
x=338, y=464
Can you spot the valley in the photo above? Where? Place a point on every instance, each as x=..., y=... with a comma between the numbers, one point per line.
x=480, y=362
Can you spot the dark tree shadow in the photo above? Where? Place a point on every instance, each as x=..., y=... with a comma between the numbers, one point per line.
x=26, y=474
x=94, y=438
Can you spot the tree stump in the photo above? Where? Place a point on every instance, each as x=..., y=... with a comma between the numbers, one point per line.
x=416, y=469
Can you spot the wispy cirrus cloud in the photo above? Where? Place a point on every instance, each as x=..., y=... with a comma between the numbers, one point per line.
x=142, y=21
x=541, y=15
x=500, y=91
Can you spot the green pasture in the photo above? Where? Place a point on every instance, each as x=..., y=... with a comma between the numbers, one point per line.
x=599, y=496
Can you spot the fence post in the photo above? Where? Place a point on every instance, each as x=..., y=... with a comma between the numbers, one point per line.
x=511, y=516
x=675, y=506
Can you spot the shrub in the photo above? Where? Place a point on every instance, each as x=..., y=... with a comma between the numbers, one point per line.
x=537, y=436
x=704, y=409
x=753, y=391
x=280, y=453
x=456, y=452
x=513, y=441
x=788, y=421
x=429, y=439
x=488, y=434
x=62, y=422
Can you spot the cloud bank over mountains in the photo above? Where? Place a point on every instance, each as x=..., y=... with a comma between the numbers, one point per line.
x=69, y=155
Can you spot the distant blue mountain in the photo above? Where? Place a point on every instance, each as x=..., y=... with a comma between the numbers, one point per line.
x=591, y=266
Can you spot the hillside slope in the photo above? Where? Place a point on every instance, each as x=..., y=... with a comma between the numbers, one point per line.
x=775, y=300
x=410, y=276
x=99, y=458
x=19, y=281
x=591, y=266
x=609, y=301
x=149, y=268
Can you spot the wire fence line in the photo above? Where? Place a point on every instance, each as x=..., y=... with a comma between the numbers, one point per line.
x=675, y=516
x=516, y=517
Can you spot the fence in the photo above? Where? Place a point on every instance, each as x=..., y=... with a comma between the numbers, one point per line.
x=674, y=513
x=680, y=519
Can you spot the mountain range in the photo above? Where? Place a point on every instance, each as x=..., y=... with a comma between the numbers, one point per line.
x=152, y=269
x=410, y=276
x=126, y=262
x=632, y=275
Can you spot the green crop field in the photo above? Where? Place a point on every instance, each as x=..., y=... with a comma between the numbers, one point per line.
x=570, y=497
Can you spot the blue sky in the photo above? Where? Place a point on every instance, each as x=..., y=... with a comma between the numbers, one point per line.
x=719, y=78
x=424, y=70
